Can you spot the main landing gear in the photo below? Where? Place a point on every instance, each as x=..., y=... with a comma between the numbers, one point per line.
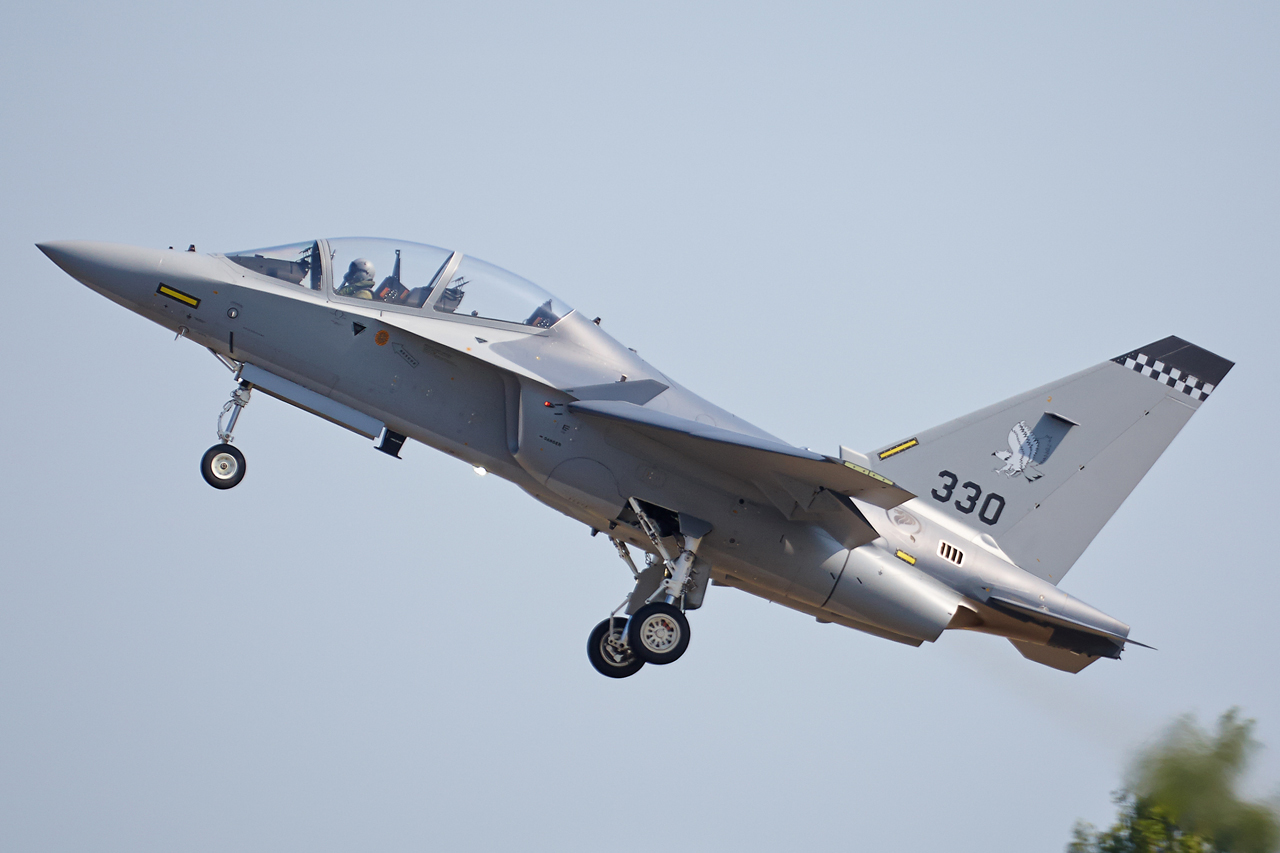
x=608, y=650
x=655, y=630
x=659, y=632
x=223, y=466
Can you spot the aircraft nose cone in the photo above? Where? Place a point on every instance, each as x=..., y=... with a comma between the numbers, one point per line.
x=132, y=275
x=119, y=272
x=64, y=253
x=96, y=264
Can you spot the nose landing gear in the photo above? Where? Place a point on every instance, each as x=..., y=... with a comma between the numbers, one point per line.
x=223, y=466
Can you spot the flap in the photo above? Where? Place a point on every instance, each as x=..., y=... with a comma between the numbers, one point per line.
x=747, y=457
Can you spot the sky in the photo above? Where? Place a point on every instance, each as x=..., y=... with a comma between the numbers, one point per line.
x=844, y=222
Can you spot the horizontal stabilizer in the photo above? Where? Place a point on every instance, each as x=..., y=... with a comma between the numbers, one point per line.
x=1060, y=659
x=747, y=457
x=1055, y=620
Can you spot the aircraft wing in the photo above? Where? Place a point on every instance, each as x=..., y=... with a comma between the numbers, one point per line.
x=783, y=472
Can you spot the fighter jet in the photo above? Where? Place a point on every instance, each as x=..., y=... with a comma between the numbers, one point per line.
x=928, y=533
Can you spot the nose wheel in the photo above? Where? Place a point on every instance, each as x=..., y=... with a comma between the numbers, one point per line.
x=223, y=466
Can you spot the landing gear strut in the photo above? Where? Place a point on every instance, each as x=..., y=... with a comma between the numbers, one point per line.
x=223, y=466
x=656, y=631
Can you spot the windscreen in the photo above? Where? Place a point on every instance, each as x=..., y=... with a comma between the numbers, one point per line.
x=296, y=263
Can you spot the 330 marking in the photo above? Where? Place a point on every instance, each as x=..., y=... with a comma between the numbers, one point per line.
x=991, y=508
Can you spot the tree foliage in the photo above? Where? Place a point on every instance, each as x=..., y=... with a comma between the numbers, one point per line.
x=1182, y=797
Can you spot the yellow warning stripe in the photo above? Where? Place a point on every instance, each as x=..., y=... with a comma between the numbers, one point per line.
x=184, y=298
x=905, y=557
x=898, y=448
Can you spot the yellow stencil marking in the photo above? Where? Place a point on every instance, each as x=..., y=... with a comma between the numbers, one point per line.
x=905, y=557
x=178, y=295
x=898, y=448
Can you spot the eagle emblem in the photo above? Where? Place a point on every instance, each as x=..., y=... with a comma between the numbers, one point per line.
x=1024, y=453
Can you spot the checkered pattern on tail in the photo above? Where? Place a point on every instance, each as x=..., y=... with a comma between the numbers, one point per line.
x=1178, y=380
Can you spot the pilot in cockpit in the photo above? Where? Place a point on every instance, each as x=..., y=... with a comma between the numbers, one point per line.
x=358, y=281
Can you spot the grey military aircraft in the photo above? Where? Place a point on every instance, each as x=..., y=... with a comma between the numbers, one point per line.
x=970, y=525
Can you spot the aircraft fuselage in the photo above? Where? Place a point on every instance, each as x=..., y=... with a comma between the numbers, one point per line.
x=500, y=396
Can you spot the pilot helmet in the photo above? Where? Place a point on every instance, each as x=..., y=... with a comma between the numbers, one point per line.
x=360, y=272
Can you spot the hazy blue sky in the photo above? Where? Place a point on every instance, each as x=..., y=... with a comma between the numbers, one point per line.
x=843, y=222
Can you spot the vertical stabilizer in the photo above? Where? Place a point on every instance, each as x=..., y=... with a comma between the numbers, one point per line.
x=1042, y=472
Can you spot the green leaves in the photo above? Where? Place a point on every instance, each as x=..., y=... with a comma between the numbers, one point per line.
x=1141, y=828
x=1182, y=797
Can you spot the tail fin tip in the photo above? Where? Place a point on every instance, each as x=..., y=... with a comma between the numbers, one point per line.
x=1179, y=364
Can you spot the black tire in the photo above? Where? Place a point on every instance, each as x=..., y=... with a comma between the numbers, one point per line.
x=223, y=466
x=609, y=659
x=658, y=633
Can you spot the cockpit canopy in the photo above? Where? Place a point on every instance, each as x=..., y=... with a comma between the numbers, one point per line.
x=296, y=263
x=408, y=277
